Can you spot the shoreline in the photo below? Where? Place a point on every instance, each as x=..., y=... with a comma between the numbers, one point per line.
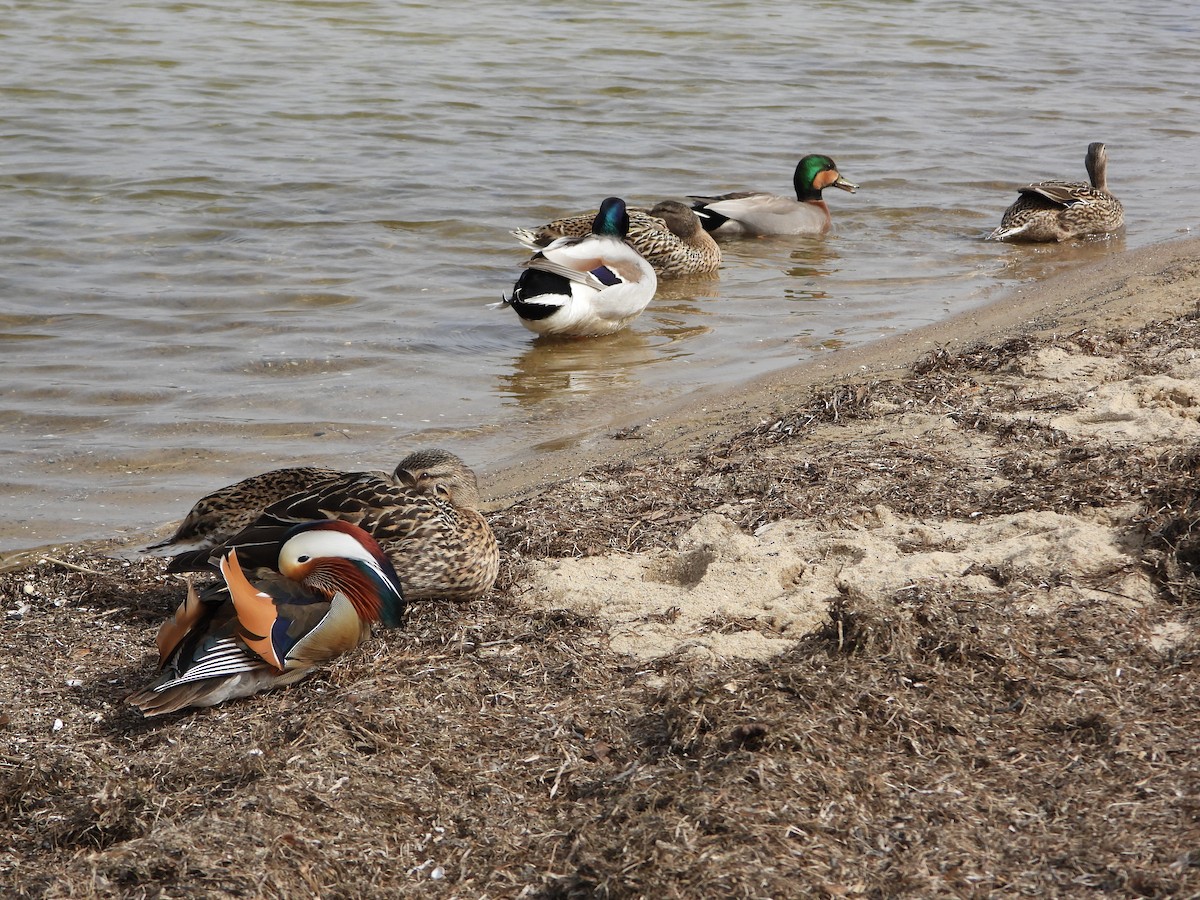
x=1087, y=297
x=919, y=620
x=702, y=416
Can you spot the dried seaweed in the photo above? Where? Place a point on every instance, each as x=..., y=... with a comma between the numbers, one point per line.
x=917, y=745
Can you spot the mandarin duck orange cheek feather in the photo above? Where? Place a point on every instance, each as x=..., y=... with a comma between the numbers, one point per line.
x=334, y=582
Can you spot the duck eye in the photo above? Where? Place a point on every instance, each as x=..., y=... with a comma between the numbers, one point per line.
x=303, y=559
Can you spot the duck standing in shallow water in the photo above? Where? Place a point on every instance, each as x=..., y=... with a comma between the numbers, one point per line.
x=753, y=213
x=333, y=584
x=590, y=285
x=424, y=517
x=669, y=236
x=1061, y=210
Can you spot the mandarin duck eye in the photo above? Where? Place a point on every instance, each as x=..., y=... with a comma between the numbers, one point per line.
x=303, y=559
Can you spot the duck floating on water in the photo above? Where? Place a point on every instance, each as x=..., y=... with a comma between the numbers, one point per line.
x=581, y=286
x=424, y=516
x=755, y=213
x=1061, y=210
x=244, y=636
x=669, y=236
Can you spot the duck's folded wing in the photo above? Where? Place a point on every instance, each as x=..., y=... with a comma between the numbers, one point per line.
x=599, y=273
x=1061, y=193
x=339, y=630
x=353, y=497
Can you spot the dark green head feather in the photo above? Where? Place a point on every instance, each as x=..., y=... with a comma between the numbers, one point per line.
x=806, y=172
x=612, y=220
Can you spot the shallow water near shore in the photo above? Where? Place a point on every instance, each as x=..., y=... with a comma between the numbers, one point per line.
x=236, y=240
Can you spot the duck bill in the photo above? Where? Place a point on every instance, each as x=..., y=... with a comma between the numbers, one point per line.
x=845, y=185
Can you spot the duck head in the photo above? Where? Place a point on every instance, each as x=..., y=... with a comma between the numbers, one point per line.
x=333, y=557
x=816, y=172
x=439, y=473
x=612, y=220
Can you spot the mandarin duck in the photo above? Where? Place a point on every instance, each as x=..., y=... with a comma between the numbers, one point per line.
x=1061, y=210
x=332, y=584
x=590, y=285
x=669, y=236
x=753, y=213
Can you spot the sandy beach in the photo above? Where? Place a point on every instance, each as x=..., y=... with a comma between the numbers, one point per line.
x=915, y=619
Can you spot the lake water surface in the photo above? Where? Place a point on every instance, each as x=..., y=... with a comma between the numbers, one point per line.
x=244, y=235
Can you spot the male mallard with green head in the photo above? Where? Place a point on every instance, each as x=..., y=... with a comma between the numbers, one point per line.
x=581, y=286
x=751, y=213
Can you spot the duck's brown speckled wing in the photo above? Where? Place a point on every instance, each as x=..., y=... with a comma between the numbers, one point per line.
x=439, y=550
x=225, y=512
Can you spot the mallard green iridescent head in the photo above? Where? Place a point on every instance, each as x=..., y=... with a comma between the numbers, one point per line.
x=816, y=172
x=613, y=219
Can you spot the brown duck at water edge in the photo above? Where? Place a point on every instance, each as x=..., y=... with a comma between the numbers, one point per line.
x=669, y=236
x=424, y=516
x=1061, y=210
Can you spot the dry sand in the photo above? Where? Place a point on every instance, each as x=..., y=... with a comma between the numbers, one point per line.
x=916, y=620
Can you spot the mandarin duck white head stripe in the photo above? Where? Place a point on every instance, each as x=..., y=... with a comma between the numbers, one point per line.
x=427, y=524
x=334, y=582
x=753, y=213
x=1062, y=210
x=581, y=286
x=669, y=237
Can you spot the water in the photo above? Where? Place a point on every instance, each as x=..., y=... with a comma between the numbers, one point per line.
x=237, y=236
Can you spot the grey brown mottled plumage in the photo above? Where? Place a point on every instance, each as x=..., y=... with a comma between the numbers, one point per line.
x=228, y=510
x=424, y=516
x=669, y=236
x=1061, y=210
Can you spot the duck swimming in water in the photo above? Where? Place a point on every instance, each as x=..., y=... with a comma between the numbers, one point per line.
x=669, y=236
x=590, y=285
x=753, y=213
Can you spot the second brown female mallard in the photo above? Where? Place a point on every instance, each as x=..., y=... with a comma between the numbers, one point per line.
x=669, y=236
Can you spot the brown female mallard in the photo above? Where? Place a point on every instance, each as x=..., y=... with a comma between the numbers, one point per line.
x=669, y=236
x=424, y=516
x=1061, y=210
